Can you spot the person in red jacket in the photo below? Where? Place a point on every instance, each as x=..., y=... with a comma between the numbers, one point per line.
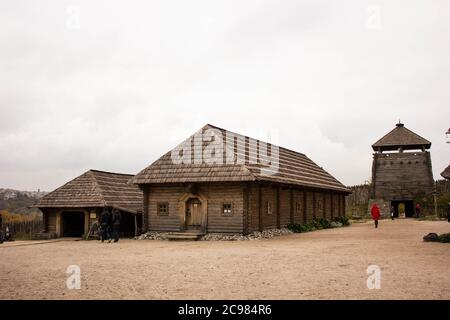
x=375, y=211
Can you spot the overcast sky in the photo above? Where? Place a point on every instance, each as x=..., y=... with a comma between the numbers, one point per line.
x=113, y=85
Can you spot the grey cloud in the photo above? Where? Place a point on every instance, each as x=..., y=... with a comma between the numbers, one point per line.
x=138, y=77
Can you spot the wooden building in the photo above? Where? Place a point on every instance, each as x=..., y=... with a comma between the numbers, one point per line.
x=249, y=186
x=401, y=170
x=70, y=210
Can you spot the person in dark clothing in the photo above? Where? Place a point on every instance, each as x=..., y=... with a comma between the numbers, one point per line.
x=105, y=222
x=392, y=212
x=116, y=217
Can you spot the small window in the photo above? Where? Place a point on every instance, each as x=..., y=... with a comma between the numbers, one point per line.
x=163, y=209
x=269, y=208
x=227, y=209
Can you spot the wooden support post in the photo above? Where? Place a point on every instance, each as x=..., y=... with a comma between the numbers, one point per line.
x=278, y=208
x=314, y=206
x=246, y=222
x=324, y=209
x=305, y=207
x=145, y=215
x=86, y=224
x=260, y=209
x=58, y=224
x=292, y=206
x=332, y=206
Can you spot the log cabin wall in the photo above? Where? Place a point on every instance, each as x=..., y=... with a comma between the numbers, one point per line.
x=269, y=202
x=402, y=175
x=296, y=205
x=285, y=207
x=319, y=204
x=309, y=206
x=217, y=195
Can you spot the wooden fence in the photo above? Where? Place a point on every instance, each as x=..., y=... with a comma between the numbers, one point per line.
x=24, y=229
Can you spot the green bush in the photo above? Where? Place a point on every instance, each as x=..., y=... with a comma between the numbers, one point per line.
x=445, y=237
x=343, y=219
x=317, y=224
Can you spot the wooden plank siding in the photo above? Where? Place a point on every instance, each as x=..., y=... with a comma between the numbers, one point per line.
x=285, y=207
x=298, y=206
x=217, y=195
x=269, y=197
x=309, y=206
x=249, y=205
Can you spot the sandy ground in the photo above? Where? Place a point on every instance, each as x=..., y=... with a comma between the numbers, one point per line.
x=327, y=264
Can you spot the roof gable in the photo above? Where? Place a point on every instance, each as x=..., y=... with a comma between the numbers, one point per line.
x=239, y=158
x=399, y=137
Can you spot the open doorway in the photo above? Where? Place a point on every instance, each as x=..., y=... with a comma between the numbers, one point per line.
x=130, y=224
x=72, y=224
x=403, y=206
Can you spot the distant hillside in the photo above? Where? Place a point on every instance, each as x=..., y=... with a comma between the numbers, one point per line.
x=16, y=201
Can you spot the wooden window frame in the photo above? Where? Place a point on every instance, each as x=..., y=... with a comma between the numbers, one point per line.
x=269, y=209
x=158, y=209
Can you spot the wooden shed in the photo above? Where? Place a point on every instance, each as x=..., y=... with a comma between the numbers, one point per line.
x=70, y=210
x=220, y=181
x=401, y=170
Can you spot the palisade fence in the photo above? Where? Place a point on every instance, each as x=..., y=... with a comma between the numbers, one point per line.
x=24, y=229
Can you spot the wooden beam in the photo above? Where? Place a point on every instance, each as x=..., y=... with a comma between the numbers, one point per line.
x=278, y=208
x=145, y=215
x=260, y=209
x=305, y=207
x=332, y=205
x=314, y=205
x=246, y=221
x=291, y=212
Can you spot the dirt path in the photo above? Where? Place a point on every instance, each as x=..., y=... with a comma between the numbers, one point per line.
x=327, y=264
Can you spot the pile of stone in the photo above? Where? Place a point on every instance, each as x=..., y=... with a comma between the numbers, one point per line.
x=266, y=234
x=152, y=235
x=335, y=224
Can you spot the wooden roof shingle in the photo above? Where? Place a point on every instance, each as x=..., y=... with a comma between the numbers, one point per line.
x=293, y=168
x=401, y=137
x=446, y=173
x=96, y=188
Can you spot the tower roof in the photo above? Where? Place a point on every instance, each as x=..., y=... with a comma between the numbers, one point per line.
x=401, y=137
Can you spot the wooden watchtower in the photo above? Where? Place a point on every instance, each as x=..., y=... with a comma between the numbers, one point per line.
x=401, y=169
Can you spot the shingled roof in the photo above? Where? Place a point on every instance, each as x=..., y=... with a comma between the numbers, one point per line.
x=446, y=173
x=292, y=168
x=400, y=136
x=96, y=189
